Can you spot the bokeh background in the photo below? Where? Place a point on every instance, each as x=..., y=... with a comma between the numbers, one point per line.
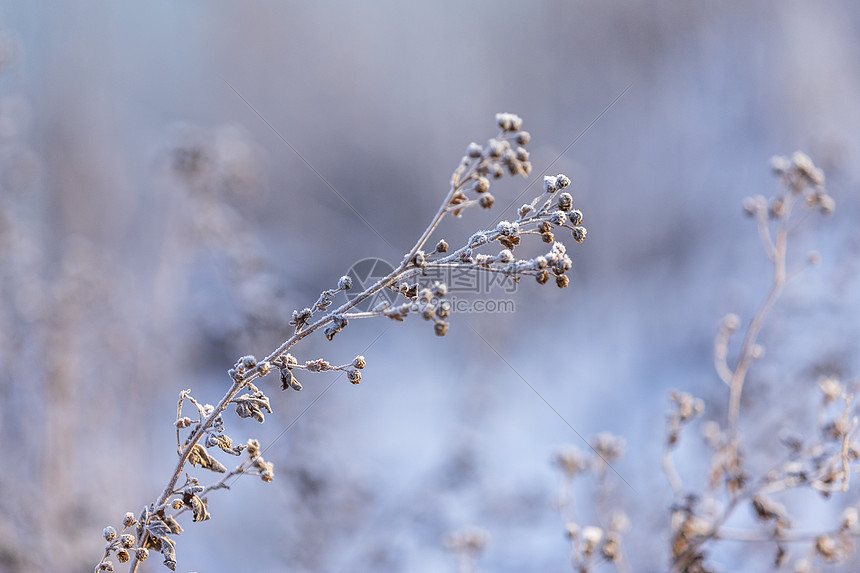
x=153, y=228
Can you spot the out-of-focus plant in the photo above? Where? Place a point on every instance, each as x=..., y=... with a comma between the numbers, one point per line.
x=201, y=427
x=702, y=516
x=598, y=542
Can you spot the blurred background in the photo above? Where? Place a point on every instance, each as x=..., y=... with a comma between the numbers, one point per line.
x=154, y=227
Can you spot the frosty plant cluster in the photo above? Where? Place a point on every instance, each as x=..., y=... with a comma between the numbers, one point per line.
x=201, y=434
x=822, y=463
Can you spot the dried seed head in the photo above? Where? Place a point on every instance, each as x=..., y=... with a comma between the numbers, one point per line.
x=542, y=277
x=248, y=361
x=123, y=556
x=831, y=387
x=128, y=520
x=495, y=148
x=474, y=150
x=486, y=201
x=570, y=461
x=253, y=448
x=579, y=234
x=562, y=181
x=522, y=154
x=547, y=238
x=575, y=217
x=509, y=121
x=558, y=218
x=444, y=309
x=425, y=295
x=141, y=553
x=806, y=168
x=439, y=289
x=505, y=228
x=178, y=504
x=780, y=164
x=106, y=565
x=267, y=474
x=344, y=283
x=565, y=201
x=182, y=422
x=562, y=281
x=505, y=256
x=544, y=227
x=442, y=246
x=441, y=328
x=359, y=362
x=608, y=446
x=611, y=547
x=482, y=185
x=354, y=376
x=109, y=533
x=825, y=546
x=126, y=540
x=550, y=184
x=524, y=137
x=591, y=535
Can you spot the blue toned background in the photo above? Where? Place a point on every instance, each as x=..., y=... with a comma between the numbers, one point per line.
x=154, y=227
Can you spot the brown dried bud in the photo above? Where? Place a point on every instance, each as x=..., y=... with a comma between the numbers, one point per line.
x=441, y=328
x=354, y=376
x=177, y=504
x=482, y=185
x=109, y=533
x=562, y=281
x=359, y=362
x=141, y=553
x=128, y=520
x=126, y=540
x=565, y=202
x=123, y=556
x=486, y=201
x=542, y=277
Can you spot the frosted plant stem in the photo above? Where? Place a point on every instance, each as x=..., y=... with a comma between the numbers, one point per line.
x=237, y=386
x=748, y=348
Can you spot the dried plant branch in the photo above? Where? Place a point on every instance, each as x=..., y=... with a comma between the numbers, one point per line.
x=825, y=466
x=503, y=154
